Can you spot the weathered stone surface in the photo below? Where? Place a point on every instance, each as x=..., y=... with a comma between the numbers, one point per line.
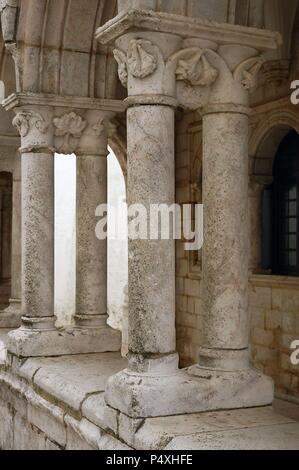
x=281, y=437
x=27, y=436
x=39, y=424
x=6, y=428
x=168, y=53
x=146, y=395
x=96, y=410
x=34, y=343
x=198, y=431
x=74, y=378
x=46, y=417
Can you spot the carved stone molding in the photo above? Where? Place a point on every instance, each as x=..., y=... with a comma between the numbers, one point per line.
x=70, y=127
x=221, y=33
x=24, y=121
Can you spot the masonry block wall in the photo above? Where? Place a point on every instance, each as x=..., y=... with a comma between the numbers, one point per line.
x=274, y=309
x=188, y=302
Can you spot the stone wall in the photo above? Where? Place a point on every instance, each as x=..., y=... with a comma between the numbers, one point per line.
x=274, y=309
x=187, y=265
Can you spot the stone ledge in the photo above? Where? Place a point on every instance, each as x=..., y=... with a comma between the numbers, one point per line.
x=43, y=424
x=25, y=342
x=72, y=379
x=142, y=395
x=264, y=280
x=10, y=317
x=43, y=411
x=59, y=101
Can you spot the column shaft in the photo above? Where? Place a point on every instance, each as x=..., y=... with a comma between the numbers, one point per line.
x=91, y=264
x=38, y=237
x=224, y=330
x=16, y=240
x=151, y=262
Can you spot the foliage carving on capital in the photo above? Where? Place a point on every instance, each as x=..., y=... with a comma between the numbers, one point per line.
x=121, y=60
x=193, y=67
x=67, y=126
x=247, y=72
x=99, y=127
x=138, y=61
x=141, y=63
x=25, y=121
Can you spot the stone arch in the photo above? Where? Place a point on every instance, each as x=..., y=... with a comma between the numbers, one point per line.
x=54, y=38
x=118, y=144
x=263, y=145
x=266, y=138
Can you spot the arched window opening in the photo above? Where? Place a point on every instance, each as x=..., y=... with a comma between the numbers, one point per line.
x=285, y=207
x=5, y=237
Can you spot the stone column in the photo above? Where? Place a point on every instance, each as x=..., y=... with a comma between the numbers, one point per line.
x=151, y=262
x=16, y=237
x=91, y=265
x=37, y=335
x=91, y=259
x=226, y=252
x=11, y=316
x=151, y=167
x=37, y=167
x=211, y=75
x=47, y=126
x=224, y=327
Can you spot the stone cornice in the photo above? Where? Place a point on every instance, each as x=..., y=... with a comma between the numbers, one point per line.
x=56, y=101
x=186, y=27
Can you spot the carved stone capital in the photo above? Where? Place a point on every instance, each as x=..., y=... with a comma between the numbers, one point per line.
x=195, y=72
x=199, y=62
x=142, y=63
x=34, y=127
x=25, y=121
x=64, y=124
x=68, y=130
x=94, y=138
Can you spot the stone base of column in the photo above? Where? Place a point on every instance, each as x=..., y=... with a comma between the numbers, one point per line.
x=163, y=391
x=11, y=316
x=26, y=342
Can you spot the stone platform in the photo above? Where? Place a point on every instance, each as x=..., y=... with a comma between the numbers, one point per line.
x=58, y=403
